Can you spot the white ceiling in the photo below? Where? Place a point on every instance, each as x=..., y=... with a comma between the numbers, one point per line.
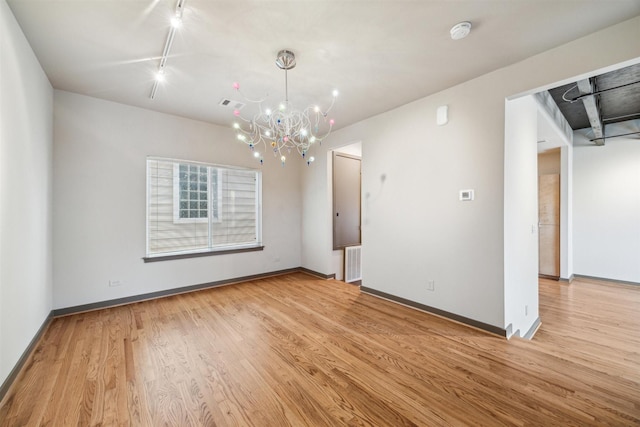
x=379, y=54
x=548, y=137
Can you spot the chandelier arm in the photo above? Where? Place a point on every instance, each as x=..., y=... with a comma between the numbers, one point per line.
x=317, y=121
x=333, y=101
x=244, y=120
x=254, y=101
x=320, y=138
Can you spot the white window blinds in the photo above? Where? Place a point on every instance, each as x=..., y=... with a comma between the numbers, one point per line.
x=195, y=207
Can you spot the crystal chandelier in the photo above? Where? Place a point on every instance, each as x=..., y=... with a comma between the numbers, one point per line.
x=285, y=129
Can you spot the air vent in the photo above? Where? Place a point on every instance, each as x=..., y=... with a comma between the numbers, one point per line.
x=352, y=263
x=230, y=103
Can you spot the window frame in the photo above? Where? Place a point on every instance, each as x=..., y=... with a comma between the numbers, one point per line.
x=211, y=249
x=210, y=194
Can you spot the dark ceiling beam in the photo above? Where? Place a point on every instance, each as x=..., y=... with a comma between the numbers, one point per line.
x=586, y=87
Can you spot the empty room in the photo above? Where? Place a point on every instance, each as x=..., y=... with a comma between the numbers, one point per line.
x=319, y=213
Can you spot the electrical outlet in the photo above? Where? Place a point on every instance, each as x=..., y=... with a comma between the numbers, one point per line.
x=431, y=284
x=113, y=283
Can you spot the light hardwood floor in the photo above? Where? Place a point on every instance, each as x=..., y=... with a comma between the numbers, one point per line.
x=295, y=350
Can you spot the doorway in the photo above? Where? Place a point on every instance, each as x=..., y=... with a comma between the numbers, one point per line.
x=549, y=225
x=346, y=195
x=346, y=200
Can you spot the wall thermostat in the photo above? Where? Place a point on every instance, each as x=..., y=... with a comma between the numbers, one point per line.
x=466, y=195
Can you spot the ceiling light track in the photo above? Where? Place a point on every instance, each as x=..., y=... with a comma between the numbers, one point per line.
x=176, y=22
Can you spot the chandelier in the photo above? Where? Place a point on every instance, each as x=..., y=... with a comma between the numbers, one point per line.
x=283, y=130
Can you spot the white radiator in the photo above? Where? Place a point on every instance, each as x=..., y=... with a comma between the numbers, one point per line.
x=352, y=263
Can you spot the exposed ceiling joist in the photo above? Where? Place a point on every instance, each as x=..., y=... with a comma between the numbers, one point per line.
x=617, y=100
x=585, y=87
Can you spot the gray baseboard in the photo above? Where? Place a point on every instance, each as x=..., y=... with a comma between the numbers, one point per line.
x=315, y=273
x=175, y=291
x=533, y=329
x=461, y=319
x=8, y=382
x=623, y=282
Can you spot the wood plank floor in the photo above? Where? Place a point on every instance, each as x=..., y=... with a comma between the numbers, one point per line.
x=298, y=351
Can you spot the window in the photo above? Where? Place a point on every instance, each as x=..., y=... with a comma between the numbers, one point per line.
x=195, y=191
x=196, y=209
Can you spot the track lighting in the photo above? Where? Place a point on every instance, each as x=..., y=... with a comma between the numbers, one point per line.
x=176, y=22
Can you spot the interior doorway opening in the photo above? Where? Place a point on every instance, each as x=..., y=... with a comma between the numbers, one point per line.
x=346, y=195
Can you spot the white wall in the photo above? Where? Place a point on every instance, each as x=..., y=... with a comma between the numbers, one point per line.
x=521, y=215
x=606, y=202
x=317, y=231
x=566, y=212
x=26, y=140
x=414, y=228
x=354, y=149
x=99, y=201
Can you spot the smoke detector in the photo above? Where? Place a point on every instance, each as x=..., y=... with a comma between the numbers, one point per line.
x=460, y=30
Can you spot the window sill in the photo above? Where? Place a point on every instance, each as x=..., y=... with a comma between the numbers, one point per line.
x=201, y=254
